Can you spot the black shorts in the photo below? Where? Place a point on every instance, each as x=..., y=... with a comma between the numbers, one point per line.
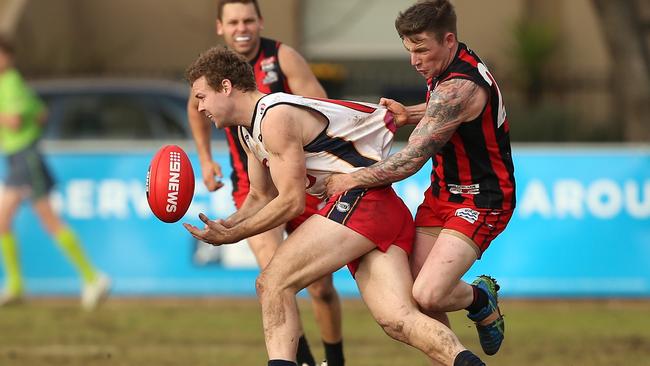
x=27, y=169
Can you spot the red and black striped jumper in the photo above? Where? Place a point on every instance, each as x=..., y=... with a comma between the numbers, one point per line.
x=472, y=183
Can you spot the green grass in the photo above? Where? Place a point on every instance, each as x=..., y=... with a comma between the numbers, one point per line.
x=228, y=332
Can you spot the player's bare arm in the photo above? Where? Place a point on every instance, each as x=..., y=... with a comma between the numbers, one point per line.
x=404, y=115
x=260, y=193
x=416, y=113
x=299, y=75
x=201, y=127
x=217, y=232
x=287, y=171
x=450, y=104
x=284, y=142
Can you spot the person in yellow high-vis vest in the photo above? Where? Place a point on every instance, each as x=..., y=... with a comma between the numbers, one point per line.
x=22, y=115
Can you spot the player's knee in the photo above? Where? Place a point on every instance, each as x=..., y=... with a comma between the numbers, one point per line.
x=428, y=297
x=260, y=285
x=271, y=283
x=264, y=285
x=395, y=326
x=323, y=290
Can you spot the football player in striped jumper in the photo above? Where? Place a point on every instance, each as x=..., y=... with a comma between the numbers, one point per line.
x=464, y=130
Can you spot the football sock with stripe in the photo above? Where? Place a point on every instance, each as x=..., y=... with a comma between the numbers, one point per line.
x=467, y=358
x=334, y=353
x=70, y=245
x=304, y=355
x=11, y=263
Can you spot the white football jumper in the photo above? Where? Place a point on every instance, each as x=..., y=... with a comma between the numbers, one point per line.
x=357, y=135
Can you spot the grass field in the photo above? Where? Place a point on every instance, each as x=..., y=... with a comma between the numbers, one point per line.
x=228, y=332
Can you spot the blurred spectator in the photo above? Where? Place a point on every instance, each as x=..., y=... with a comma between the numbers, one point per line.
x=22, y=115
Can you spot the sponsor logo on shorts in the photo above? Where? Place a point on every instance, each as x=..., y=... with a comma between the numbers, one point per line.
x=342, y=207
x=463, y=189
x=468, y=214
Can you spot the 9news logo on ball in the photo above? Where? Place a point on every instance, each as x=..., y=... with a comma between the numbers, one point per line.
x=170, y=183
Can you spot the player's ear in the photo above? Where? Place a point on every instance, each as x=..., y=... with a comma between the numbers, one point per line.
x=219, y=27
x=226, y=86
x=449, y=40
x=261, y=23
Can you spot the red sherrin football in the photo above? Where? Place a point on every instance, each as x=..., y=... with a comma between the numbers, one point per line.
x=170, y=183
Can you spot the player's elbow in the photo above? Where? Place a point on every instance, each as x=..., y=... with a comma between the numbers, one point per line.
x=296, y=209
x=294, y=205
x=259, y=199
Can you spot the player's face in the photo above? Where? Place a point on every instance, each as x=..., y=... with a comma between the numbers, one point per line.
x=240, y=27
x=213, y=104
x=429, y=56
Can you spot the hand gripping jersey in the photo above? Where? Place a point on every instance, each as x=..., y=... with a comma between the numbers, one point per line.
x=475, y=166
x=269, y=79
x=357, y=135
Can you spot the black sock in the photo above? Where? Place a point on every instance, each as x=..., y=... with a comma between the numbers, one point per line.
x=304, y=353
x=480, y=301
x=467, y=358
x=334, y=353
x=281, y=363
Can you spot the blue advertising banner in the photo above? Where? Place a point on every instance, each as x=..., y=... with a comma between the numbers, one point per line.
x=581, y=228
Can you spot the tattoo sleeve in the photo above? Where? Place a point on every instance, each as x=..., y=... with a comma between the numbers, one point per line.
x=446, y=110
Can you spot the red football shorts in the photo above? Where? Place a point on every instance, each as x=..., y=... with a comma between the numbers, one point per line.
x=479, y=224
x=376, y=213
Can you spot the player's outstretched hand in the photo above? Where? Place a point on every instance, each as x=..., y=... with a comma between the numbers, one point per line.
x=400, y=113
x=211, y=171
x=337, y=184
x=214, y=232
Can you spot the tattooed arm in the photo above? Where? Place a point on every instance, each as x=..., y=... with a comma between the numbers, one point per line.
x=450, y=104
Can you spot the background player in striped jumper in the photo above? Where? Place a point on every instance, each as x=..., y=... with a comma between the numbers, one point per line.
x=294, y=143
x=278, y=68
x=463, y=128
x=21, y=122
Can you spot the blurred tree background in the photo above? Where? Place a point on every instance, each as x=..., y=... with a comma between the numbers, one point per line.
x=626, y=25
